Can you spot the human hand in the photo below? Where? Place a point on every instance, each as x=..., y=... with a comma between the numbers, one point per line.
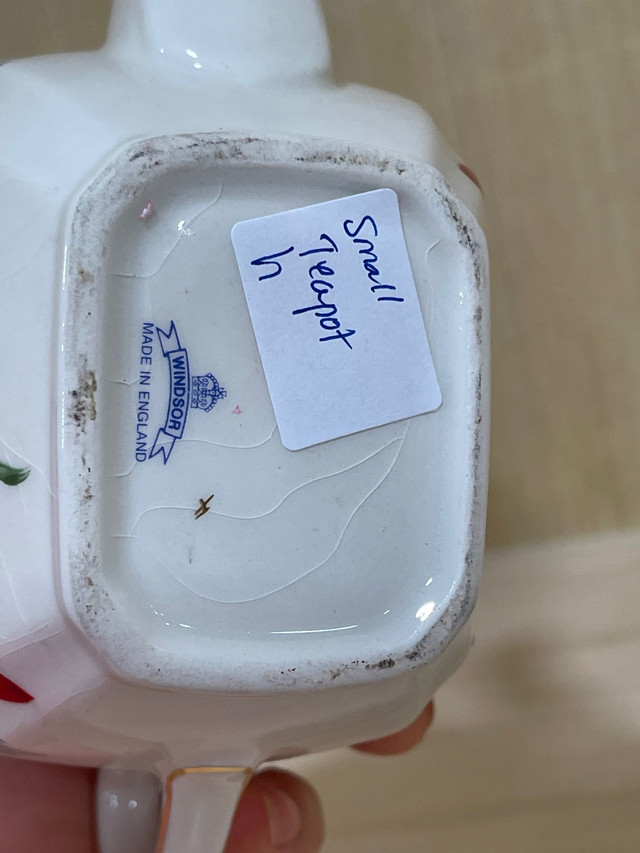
x=50, y=808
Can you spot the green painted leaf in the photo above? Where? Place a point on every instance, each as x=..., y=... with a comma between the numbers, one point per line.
x=13, y=476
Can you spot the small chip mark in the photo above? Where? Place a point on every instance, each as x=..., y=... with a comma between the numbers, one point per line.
x=147, y=212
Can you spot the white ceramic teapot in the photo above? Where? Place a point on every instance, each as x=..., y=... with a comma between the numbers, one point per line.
x=243, y=404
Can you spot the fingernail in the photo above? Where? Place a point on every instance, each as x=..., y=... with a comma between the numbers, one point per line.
x=128, y=805
x=285, y=819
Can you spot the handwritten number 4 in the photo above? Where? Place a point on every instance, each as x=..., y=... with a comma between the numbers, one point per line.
x=272, y=260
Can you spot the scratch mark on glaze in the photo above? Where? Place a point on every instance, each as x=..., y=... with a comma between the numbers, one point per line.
x=125, y=473
x=432, y=247
x=231, y=446
x=184, y=232
x=400, y=440
x=346, y=527
x=22, y=501
x=6, y=278
x=124, y=382
x=11, y=590
x=38, y=633
x=132, y=535
x=211, y=444
x=316, y=631
x=319, y=479
x=286, y=497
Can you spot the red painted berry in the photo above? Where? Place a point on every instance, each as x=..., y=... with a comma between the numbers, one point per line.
x=10, y=692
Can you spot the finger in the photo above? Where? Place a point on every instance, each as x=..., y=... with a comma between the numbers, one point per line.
x=46, y=807
x=277, y=812
x=402, y=741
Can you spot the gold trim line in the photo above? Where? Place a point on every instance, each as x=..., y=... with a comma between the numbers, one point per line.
x=183, y=771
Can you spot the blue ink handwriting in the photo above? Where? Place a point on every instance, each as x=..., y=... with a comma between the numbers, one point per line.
x=371, y=259
x=271, y=259
x=325, y=311
x=321, y=275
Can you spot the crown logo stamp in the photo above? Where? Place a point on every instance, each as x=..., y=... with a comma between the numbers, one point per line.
x=206, y=391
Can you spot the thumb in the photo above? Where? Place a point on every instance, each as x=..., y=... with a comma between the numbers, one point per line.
x=277, y=812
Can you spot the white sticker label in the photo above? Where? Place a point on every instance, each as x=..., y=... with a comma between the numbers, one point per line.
x=336, y=317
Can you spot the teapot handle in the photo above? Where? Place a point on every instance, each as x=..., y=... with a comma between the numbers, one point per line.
x=192, y=815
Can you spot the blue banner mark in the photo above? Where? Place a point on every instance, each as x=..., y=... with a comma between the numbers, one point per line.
x=179, y=393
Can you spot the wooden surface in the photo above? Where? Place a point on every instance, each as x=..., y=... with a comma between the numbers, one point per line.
x=536, y=743
x=543, y=101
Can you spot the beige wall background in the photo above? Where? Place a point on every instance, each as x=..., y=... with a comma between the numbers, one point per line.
x=543, y=101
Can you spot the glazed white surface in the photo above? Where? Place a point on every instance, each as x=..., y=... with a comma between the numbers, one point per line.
x=325, y=563
x=90, y=106
x=132, y=657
